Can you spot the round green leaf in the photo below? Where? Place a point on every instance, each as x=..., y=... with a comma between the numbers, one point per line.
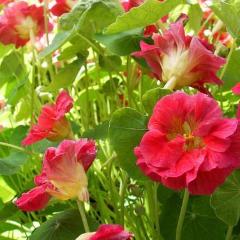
x=151, y=97
x=226, y=200
x=11, y=164
x=66, y=225
x=200, y=221
x=127, y=127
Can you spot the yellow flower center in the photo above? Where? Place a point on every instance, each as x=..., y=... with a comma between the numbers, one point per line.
x=186, y=130
x=25, y=28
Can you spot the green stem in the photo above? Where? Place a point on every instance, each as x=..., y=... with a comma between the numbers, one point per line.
x=229, y=233
x=46, y=20
x=34, y=63
x=228, y=58
x=182, y=215
x=225, y=67
x=122, y=198
x=156, y=210
x=14, y=147
x=86, y=83
x=83, y=216
x=96, y=48
x=206, y=21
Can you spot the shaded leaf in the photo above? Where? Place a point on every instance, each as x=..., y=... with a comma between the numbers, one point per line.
x=123, y=43
x=226, y=200
x=126, y=129
x=60, y=38
x=62, y=226
x=200, y=221
x=12, y=164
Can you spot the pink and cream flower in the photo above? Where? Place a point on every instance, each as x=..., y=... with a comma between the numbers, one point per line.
x=21, y=22
x=107, y=232
x=189, y=144
x=63, y=175
x=179, y=60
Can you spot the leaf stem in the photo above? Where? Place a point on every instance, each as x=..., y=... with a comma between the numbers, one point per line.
x=229, y=233
x=156, y=210
x=182, y=215
x=92, y=44
x=228, y=58
x=14, y=147
x=46, y=20
x=83, y=216
x=122, y=198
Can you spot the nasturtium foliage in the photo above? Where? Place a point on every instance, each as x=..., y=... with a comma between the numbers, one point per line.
x=64, y=225
x=225, y=201
x=149, y=12
x=126, y=128
x=79, y=83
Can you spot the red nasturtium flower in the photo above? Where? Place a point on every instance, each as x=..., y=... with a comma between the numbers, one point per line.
x=129, y=4
x=19, y=21
x=180, y=60
x=52, y=123
x=63, y=6
x=107, y=232
x=236, y=89
x=189, y=144
x=63, y=175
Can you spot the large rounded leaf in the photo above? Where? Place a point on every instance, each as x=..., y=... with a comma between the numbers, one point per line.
x=200, y=221
x=66, y=225
x=127, y=127
x=226, y=200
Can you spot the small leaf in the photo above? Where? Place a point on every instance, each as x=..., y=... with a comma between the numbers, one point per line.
x=99, y=132
x=127, y=127
x=226, y=200
x=151, y=97
x=11, y=164
x=123, y=43
x=231, y=76
x=66, y=76
x=61, y=38
x=195, y=17
x=149, y=12
x=110, y=63
x=87, y=16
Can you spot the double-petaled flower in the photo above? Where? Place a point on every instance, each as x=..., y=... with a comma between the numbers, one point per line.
x=63, y=175
x=20, y=23
x=179, y=60
x=189, y=144
x=52, y=123
x=107, y=232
